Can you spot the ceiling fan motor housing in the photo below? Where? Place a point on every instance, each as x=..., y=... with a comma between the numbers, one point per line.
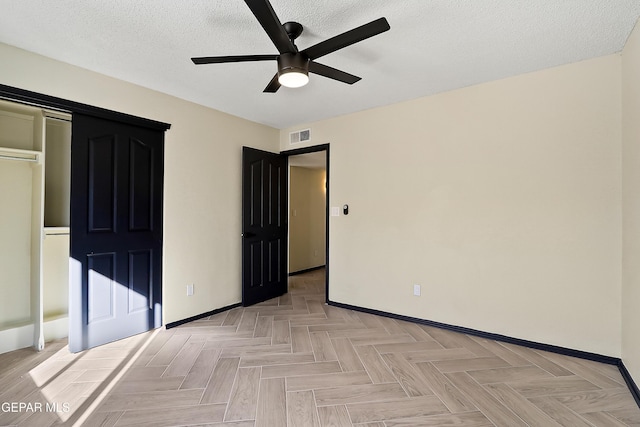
x=292, y=63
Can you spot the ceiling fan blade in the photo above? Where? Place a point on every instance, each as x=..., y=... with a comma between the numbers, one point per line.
x=265, y=14
x=238, y=58
x=273, y=85
x=332, y=73
x=348, y=38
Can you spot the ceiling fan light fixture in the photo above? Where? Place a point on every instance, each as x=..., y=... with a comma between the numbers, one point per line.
x=293, y=70
x=293, y=78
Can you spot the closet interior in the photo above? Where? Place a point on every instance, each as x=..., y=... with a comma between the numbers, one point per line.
x=35, y=159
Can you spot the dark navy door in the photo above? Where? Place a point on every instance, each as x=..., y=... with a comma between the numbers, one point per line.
x=264, y=225
x=116, y=231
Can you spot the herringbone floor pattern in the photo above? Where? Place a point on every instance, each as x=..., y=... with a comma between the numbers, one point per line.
x=294, y=361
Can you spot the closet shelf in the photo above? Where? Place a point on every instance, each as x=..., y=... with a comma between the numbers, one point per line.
x=20, y=155
x=56, y=231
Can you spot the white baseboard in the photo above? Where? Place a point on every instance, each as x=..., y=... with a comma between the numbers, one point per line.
x=56, y=329
x=16, y=338
x=22, y=336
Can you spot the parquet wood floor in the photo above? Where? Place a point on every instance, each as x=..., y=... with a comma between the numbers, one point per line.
x=294, y=361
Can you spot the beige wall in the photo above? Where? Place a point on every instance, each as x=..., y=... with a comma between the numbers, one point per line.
x=502, y=200
x=631, y=205
x=202, y=175
x=55, y=273
x=307, y=218
x=57, y=195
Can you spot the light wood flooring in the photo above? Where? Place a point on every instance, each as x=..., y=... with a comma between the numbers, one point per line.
x=294, y=361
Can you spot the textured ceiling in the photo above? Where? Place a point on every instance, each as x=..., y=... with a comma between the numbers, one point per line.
x=433, y=46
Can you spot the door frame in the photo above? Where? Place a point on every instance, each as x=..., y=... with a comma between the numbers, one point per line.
x=36, y=99
x=307, y=150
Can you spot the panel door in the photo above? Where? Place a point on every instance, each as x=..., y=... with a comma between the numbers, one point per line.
x=116, y=231
x=264, y=225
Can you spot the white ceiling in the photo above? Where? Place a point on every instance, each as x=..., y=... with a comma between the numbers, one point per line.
x=433, y=46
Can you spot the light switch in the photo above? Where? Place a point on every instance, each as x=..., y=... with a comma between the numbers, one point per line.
x=335, y=211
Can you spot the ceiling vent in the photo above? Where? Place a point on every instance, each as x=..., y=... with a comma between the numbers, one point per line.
x=300, y=136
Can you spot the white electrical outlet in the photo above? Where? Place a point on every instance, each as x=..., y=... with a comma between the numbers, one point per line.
x=416, y=290
x=190, y=290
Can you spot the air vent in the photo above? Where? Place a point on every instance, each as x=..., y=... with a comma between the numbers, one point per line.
x=300, y=136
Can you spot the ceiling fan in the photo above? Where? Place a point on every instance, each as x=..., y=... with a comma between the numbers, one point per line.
x=295, y=65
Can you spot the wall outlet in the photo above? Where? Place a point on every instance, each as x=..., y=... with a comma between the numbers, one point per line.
x=416, y=290
x=190, y=290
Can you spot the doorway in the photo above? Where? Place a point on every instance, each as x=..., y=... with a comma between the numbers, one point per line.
x=307, y=212
x=308, y=191
x=265, y=222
